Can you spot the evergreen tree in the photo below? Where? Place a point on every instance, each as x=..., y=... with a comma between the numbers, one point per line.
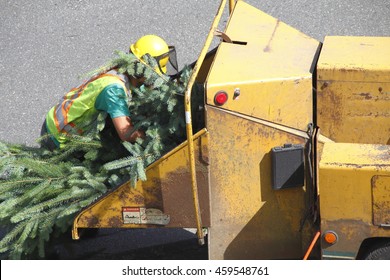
x=42, y=191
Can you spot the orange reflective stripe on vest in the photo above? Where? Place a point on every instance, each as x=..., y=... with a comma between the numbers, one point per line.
x=76, y=110
x=62, y=109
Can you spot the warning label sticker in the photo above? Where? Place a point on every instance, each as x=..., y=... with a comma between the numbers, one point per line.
x=142, y=215
x=132, y=215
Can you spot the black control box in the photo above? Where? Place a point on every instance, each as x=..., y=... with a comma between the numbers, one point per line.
x=287, y=166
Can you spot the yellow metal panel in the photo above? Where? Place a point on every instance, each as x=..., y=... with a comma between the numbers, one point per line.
x=353, y=100
x=168, y=189
x=354, y=112
x=359, y=155
x=381, y=200
x=346, y=171
x=250, y=220
x=346, y=175
x=270, y=63
x=355, y=58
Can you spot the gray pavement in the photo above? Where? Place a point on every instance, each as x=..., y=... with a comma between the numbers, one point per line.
x=46, y=45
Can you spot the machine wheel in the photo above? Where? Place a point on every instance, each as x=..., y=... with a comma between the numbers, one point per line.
x=380, y=251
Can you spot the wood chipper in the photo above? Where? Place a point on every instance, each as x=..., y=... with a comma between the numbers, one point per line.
x=287, y=156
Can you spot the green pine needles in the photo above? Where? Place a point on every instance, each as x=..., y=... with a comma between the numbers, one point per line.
x=42, y=191
x=39, y=194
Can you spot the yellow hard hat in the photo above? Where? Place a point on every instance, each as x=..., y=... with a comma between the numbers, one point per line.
x=154, y=46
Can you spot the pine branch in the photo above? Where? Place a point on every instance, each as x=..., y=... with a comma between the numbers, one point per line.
x=122, y=163
x=42, y=191
x=6, y=242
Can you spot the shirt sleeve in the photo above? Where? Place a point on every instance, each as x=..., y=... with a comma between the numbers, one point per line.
x=113, y=100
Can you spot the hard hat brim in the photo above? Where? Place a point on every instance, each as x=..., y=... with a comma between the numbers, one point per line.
x=133, y=50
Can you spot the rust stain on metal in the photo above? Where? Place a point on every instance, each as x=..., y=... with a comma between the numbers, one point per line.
x=381, y=199
x=168, y=189
x=356, y=166
x=324, y=85
x=268, y=46
x=352, y=69
x=204, y=150
x=91, y=221
x=178, y=200
x=264, y=132
x=350, y=165
x=115, y=222
x=330, y=108
x=138, y=199
x=366, y=95
x=335, y=99
x=155, y=190
x=384, y=156
x=127, y=195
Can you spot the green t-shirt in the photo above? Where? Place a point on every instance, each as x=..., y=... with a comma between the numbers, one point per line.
x=113, y=100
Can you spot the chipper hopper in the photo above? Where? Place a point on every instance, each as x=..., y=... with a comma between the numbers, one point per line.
x=290, y=158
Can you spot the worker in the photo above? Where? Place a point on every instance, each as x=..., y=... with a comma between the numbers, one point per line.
x=108, y=92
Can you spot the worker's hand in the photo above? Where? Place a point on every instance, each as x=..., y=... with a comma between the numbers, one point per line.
x=125, y=129
x=139, y=134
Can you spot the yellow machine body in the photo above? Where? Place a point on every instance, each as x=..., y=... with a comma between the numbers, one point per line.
x=163, y=200
x=290, y=100
x=353, y=109
x=270, y=65
x=353, y=87
x=355, y=195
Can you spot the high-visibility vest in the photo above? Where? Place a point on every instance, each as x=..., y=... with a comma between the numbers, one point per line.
x=76, y=111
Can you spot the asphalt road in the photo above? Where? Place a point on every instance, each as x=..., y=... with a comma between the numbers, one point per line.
x=46, y=45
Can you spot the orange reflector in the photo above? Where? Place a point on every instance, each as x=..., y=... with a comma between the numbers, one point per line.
x=330, y=237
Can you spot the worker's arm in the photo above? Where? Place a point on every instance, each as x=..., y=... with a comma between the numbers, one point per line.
x=113, y=100
x=125, y=128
